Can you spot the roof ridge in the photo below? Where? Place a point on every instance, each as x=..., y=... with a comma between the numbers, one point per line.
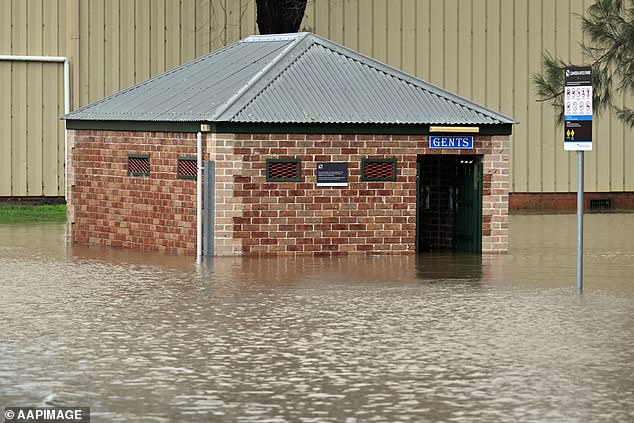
x=272, y=81
x=257, y=77
x=273, y=37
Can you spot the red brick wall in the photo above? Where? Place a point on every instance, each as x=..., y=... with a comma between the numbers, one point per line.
x=301, y=218
x=108, y=207
x=558, y=202
x=256, y=217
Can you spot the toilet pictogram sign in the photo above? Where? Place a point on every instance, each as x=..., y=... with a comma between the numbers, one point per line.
x=578, y=109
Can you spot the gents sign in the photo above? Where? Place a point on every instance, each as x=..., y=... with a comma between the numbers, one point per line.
x=332, y=174
x=578, y=109
x=451, y=142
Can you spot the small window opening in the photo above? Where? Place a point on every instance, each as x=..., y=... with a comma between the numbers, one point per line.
x=187, y=168
x=138, y=165
x=283, y=170
x=378, y=170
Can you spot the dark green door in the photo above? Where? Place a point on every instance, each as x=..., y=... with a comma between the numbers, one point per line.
x=468, y=214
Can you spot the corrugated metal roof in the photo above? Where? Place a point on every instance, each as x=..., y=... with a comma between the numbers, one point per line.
x=289, y=78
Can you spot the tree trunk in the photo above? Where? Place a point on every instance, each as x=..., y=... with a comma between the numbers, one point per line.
x=279, y=16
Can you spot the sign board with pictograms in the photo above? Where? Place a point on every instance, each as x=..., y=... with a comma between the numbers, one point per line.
x=578, y=109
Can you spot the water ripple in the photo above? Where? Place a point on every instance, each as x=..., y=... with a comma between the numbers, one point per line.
x=144, y=337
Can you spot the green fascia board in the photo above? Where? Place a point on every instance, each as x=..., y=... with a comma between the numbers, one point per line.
x=329, y=128
x=133, y=126
x=271, y=128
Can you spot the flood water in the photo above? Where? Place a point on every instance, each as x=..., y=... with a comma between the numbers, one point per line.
x=144, y=337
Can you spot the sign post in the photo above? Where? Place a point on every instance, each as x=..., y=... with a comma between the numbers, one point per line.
x=578, y=137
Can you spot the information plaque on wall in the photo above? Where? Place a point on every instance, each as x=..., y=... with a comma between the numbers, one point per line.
x=333, y=174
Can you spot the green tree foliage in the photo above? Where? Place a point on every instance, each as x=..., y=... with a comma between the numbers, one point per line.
x=609, y=29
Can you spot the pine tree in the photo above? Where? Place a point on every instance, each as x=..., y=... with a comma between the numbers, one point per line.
x=609, y=49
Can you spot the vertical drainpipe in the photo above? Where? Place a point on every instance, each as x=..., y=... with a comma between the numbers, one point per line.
x=199, y=195
x=66, y=111
x=75, y=34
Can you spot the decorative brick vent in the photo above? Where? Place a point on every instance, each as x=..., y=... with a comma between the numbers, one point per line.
x=378, y=170
x=187, y=168
x=138, y=165
x=283, y=170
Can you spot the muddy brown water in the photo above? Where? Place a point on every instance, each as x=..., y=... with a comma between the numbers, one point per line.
x=440, y=337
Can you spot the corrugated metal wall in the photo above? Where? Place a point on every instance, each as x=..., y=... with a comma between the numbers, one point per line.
x=485, y=50
x=31, y=99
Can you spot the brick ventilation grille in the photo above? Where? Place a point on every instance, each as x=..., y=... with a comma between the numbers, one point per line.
x=138, y=165
x=283, y=170
x=187, y=167
x=379, y=170
x=601, y=204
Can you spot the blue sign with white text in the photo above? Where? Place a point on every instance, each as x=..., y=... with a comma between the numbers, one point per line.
x=450, y=142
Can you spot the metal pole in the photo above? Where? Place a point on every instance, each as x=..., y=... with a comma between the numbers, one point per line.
x=209, y=206
x=580, y=222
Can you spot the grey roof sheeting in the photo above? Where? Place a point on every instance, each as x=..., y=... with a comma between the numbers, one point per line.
x=288, y=78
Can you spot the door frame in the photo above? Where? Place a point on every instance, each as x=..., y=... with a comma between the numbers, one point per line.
x=451, y=160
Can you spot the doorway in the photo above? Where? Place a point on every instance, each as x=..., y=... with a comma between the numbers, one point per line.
x=449, y=203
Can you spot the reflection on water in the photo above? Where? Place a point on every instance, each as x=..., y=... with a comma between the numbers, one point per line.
x=443, y=337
